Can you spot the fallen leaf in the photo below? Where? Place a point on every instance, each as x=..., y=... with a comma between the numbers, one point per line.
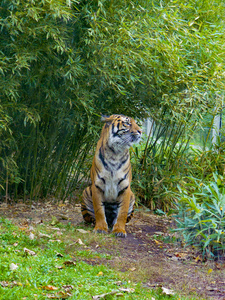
x=55, y=228
x=11, y=284
x=132, y=269
x=54, y=221
x=218, y=266
x=31, y=228
x=96, y=297
x=79, y=241
x=167, y=291
x=50, y=288
x=100, y=273
x=59, y=254
x=13, y=267
x=159, y=233
x=23, y=228
x=59, y=267
x=158, y=242
x=59, y=295
x=181, y=255
x=209, y=271
x=31, y=236
x=68, y=288
x=69, y=263
x=117, y=293
x=82, y=230
x=63, y=217
x=59, y=241
x=43, y=235
x=127, y=290
x=28, y=251
x=198, y=258
x=39, y=222
x=58, y=233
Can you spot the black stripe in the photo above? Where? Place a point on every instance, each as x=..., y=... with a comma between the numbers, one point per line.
x=86, y=193
x=122, y=191
x=124, y=177
x=102, y=159
x=101, y=178
x=98, y=187
x=110, y=148
x=123, y=162
x=86, y=215
x=115, y=133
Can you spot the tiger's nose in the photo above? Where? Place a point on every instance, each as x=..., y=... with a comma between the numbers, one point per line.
x=137, y=133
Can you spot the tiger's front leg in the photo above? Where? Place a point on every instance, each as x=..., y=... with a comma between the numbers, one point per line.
x=127, y=202
x=101, y=225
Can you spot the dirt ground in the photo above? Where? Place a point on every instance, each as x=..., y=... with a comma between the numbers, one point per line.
x=151, y=253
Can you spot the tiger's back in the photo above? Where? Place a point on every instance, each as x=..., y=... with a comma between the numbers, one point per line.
x=109, y=200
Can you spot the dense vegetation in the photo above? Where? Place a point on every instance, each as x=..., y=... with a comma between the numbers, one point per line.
x=63, y=63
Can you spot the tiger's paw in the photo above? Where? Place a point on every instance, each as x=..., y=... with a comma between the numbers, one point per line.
x=101, y=229
x=119, y=232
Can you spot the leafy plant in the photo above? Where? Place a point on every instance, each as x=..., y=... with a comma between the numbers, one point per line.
x=200, y=215
x=63, y=63
x=203, y=163
x=158, y=164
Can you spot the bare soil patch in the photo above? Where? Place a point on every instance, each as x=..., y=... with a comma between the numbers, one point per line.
x=150, y=253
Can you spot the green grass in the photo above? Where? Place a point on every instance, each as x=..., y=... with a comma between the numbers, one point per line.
x=45, y=274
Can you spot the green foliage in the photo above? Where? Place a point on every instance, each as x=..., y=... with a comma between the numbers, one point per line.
x=158, y=164
x=202, y=164
x=169, y=46
x=42, y=111
x=63, y=63
x=201, y=215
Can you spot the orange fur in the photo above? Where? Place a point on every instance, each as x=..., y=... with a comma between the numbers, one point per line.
x=109, y=200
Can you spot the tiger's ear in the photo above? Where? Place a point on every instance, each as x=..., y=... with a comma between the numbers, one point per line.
x=109, y=119
x=105, y=119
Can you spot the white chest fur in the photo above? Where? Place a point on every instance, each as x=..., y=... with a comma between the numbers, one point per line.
x=112, y=183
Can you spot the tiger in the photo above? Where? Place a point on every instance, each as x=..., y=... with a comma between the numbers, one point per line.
x=109, y=202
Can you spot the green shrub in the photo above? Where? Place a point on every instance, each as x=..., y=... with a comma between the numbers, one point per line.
x=201, y=215
x=203, y=163
x=158, y=164
x=63, y=63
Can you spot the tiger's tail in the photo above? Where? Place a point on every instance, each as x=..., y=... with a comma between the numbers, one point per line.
x=87, y=208
x=131, y=208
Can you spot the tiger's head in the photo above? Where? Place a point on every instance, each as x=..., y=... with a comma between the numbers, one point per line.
x=123, y=132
